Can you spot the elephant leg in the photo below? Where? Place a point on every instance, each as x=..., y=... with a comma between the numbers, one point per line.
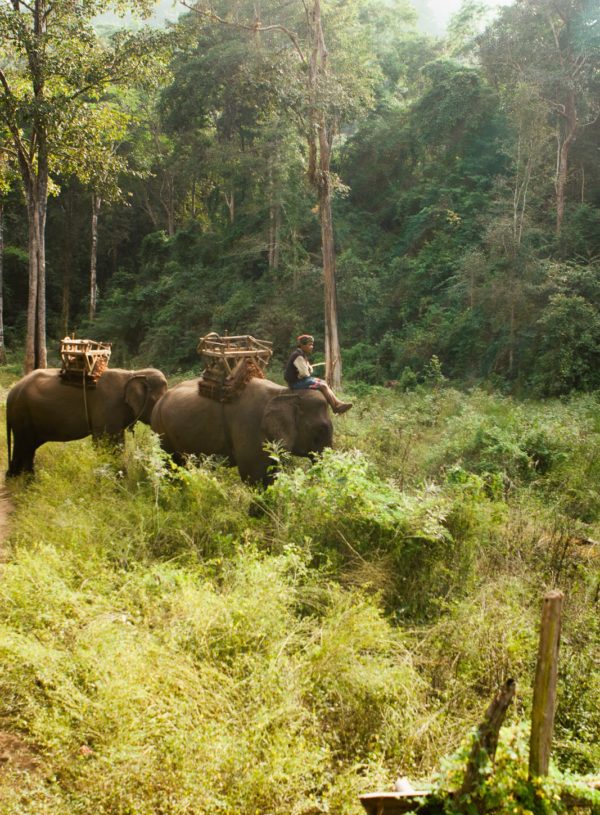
x=178, y=459
x=258, y=470
x=23, y=454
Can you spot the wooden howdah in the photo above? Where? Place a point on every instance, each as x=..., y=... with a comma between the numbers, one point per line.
x=83, y=361
x=230, y=362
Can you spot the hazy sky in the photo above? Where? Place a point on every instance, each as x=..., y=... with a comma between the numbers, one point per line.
x=442, y=10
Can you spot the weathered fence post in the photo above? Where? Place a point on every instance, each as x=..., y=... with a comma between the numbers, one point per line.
x=486, y=738
x=544, y=692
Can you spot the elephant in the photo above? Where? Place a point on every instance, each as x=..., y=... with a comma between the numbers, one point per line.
x=190, y=423
x=42, y=406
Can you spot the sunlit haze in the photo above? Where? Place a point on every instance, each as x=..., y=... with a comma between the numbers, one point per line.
x=441, y=11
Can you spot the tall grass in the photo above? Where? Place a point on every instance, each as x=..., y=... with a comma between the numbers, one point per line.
x=166, y=651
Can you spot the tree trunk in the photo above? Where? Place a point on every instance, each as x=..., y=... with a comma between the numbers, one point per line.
x=2, y=347
x=67, y=265
x=96, y=204
x=274, y=221
x=332, y=345
x=562, y=172
x=32, y=155
x=35, y=341
x=40, y=345
x=511, y=340
x=33, y=288
x=149, y=209
x=230, y=201
x=319, y=144
x=167, y=199
x=483, y=751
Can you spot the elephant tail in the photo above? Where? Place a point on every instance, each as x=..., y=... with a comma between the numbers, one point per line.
x=9, y=441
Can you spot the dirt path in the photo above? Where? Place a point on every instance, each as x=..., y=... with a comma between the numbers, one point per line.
x=15, y=754
x=5, y=510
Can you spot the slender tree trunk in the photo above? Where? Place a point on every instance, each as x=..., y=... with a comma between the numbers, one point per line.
x=66, y=299
x=520, y=194
x=230, y=201
x=274, y=220
x=33, y=288
x=562, y=174
x=32, y=155
x=276, y=236
x=35, y=341
x=2, y=347
x=96, y=204
x=332, y=345
x=168, y=203
x=319, y=159
x=148, y=208
x=41, y=350
x=67, y=266
x=511, y=340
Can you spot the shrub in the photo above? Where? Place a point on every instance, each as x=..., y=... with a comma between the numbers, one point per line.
x=351, y=521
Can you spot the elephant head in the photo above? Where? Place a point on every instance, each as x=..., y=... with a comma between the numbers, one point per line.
x=143, y=389
x=300, y=421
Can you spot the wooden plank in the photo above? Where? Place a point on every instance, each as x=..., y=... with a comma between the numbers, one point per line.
x=392, y=803
x=544, y=691
x=237, y=352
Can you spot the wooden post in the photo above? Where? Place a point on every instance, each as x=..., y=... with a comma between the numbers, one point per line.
x=544, y=692
x=486, y=738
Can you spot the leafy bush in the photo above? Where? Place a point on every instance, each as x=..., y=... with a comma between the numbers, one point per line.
x=569, y=353
x=164, y=650
x=505, y=788
x=378, y=536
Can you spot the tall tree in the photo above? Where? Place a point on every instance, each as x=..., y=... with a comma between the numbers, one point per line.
x=2, y=346
x=6, y=177
x=53, y=67
x=328, y=83
x=554, y=47
x=98, y=165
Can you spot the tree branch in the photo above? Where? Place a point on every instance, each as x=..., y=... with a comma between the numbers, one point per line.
x=255, y=27
x=21, y=152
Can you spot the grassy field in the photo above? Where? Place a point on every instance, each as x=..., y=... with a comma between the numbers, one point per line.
x=165, y=651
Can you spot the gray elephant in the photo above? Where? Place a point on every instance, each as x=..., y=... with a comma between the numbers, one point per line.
x=237, y=430
x=44, y=407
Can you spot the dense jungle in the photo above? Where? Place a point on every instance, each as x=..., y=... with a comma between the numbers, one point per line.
x=426, y=202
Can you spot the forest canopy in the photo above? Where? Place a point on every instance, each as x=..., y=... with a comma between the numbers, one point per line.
x=462, y=179
x=176, y=639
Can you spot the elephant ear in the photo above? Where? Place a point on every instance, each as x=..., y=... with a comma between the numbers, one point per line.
x=136, y=395
x=280, y=420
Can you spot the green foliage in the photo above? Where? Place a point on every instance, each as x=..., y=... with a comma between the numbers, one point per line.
x=454, y=256
x=349, y=519
x=163, y=647
x=129, y=671
x=505, y=787
x=569, y=329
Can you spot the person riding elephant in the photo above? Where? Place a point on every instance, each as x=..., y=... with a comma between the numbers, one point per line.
x=43, y=406
x=237, y=430
x=299, y=374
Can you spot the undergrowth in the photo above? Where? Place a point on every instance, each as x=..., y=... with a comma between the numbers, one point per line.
x=168, y=649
